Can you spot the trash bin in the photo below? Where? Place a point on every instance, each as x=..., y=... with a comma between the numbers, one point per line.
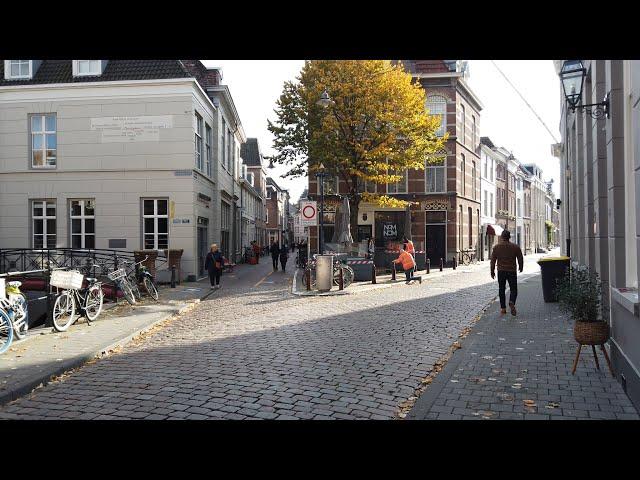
x=552, y=269
x=324, y=272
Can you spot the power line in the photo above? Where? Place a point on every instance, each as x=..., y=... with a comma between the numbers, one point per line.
x=525, y=101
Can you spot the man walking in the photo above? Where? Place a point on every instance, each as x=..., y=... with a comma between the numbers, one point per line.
x=275, y=253
x=505, y=254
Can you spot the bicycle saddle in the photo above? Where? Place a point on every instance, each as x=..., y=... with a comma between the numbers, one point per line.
x=91, y=279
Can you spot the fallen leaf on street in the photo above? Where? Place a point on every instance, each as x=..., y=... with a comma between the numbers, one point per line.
x=529, y=403
x=456, y=345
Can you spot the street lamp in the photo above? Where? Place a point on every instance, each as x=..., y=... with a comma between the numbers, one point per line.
x=325, y=100
x=320, y=174
x=572, y=76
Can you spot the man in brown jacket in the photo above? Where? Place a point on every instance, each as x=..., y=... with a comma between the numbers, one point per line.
x=505, y=254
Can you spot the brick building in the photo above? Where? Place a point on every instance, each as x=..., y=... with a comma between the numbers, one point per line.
x=445, y=214
x=277, y=224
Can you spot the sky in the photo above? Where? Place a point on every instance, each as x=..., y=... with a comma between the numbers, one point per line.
x=255, y=85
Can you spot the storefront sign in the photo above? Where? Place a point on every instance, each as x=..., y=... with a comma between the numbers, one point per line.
x=131, y=129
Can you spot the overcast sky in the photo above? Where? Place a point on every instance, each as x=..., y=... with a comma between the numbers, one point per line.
x=255, y=85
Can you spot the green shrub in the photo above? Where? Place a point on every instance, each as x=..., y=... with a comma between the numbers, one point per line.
x=580, y=294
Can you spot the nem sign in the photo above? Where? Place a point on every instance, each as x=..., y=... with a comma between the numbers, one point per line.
x=308, y=213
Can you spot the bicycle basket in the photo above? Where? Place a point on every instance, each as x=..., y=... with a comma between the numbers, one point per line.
x=117, y=274
x=67, y=279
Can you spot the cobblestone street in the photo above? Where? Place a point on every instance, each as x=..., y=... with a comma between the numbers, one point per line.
x=252, y=350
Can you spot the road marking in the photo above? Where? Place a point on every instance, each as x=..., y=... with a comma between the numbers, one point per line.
x=265, y=277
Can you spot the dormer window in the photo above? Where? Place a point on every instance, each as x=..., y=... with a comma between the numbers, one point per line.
x=86, y=68
x=18, y=69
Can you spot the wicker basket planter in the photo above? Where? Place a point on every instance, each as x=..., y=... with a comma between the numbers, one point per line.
x=591, y=333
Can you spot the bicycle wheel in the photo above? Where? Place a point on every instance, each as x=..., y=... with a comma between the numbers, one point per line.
x=127, y=292
x=64, y=310
x=93, y=302
x=20, y=324
x=151, y=288
x=6, y=332
x=347, y=275
x=465, y=259
x=135, y=289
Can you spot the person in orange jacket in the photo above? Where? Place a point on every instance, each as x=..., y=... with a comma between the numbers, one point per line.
x=408, y=264
x=409, y=246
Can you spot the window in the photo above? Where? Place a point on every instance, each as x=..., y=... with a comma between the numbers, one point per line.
x=473, y=132
x=401, y=185
x=486, y=201
x=460, y=229
x=223, y=131
x=473, y=179
x=43, y=214
x=207, y=140
x=17, y=69
x=155, y=223
x=437, y=105
x=463, y=136
x=250, y=178
x=198, y=142
x=519, y=211
x=463, y=179
x=269, y=193
x=87, y=67
x=330, y=184
x=486, y=162
x=83, y=224
x=366, y=186
x=43, y=141
x=491, y=171
x=492, y=211
x=436, y=173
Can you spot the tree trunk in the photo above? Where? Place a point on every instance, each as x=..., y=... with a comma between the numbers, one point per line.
x=354, y=203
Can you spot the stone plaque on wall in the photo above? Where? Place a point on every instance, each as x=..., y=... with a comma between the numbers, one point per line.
x=131, y=129
x=117, y=243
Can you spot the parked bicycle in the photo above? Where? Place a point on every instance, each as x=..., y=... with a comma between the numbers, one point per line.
x=14, y=317
x=347, y=273
x=121, y=280
x=74, y=297
x=469, y=257
x=139, y=274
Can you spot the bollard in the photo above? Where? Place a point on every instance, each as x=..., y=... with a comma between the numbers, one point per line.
x=428, y=266
x=173, y=276
x=307, y=278
x=454, y=262
x=373, y=274
x=441, y=263
x=393, y=271
x=341, y=280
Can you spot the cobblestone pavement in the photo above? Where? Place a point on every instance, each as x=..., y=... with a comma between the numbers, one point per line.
x=520, y=368
x=254, y=351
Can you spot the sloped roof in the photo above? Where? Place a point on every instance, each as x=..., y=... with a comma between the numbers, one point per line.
x=60, y=71
x=250, y=153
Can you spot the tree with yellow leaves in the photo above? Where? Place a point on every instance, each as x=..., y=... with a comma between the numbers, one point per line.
x=375, y=128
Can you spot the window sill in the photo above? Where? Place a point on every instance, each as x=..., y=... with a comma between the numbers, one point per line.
x=627, y=298
x=49, y=167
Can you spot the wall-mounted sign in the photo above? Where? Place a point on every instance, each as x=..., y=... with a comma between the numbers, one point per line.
x=131, y=129
x=389, y=231
x=204, y=198
x=181, y=220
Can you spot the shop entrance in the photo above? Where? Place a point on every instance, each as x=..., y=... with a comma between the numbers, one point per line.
x=436, y=236
x=203, y=236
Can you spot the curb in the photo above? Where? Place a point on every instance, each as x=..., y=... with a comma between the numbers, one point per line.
x=43, y=379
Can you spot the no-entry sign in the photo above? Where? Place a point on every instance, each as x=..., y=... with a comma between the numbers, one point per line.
x=308, y=213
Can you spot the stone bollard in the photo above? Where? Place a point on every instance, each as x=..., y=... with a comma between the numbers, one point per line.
x=428, y=266
x=373, y=274
x=341, y=280
x=454, y=262
x=441, y=263
x=393, y=271
x=307, y=278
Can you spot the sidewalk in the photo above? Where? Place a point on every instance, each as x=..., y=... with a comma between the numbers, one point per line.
x=45, y=353
x=520, y=368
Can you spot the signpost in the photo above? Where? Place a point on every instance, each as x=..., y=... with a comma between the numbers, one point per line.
x=308, y=213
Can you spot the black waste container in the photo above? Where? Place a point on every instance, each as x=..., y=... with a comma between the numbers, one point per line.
x=552, y=269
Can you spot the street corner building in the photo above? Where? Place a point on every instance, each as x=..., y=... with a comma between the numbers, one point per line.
x=124, y=155
x=445, y=196
x=600, y=193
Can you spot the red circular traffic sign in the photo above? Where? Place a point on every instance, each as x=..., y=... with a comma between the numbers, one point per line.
x=309, y=212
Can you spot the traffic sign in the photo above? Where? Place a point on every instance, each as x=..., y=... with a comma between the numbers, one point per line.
x=308, y=213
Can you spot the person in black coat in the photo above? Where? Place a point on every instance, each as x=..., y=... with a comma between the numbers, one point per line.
x=213, y=264
x=284, y=255
x=275, y=252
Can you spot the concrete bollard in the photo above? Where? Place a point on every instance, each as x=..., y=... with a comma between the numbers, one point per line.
x=173, y=276
x=428, y=266
x=373, y=274
x=441, y=263
x=454, y=263
x=341, y=280
x=307, y=278
x=393, y=271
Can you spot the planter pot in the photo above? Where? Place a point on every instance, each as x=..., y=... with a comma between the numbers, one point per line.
x=591, y=333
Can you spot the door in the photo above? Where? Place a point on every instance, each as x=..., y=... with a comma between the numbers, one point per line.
x=436, y=241
x=202, y=249
x=364, y=232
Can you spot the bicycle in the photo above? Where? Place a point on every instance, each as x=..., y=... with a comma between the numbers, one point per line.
x=469, y=257
x=88, y=300
x=121, y=281
x=347, y=273
x=14, y=314
x=140, y=274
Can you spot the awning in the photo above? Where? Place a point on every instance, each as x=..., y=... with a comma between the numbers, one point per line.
x=494, y=230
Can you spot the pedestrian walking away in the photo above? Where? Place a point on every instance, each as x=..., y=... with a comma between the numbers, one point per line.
x=284, y=255
x=505, y=254
x=275, y=253
x=213, y=264
x=256, y=251
x=408, y=264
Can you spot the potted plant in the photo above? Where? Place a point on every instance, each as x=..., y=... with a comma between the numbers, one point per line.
x=580, y=295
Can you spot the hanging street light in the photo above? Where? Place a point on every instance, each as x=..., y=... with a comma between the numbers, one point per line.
x=325, y=100
x=572, y=76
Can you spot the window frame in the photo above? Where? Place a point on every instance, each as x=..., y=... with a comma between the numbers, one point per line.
x=43, y=133
x=463, y=122
x=44, y=217
x=7, y=70
x=83, y=217
x=463, y=170
x=198, y=142
x=434, y=100
x=434, y=170
x=208, y=135
x=155, y=216
x=91, y=73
